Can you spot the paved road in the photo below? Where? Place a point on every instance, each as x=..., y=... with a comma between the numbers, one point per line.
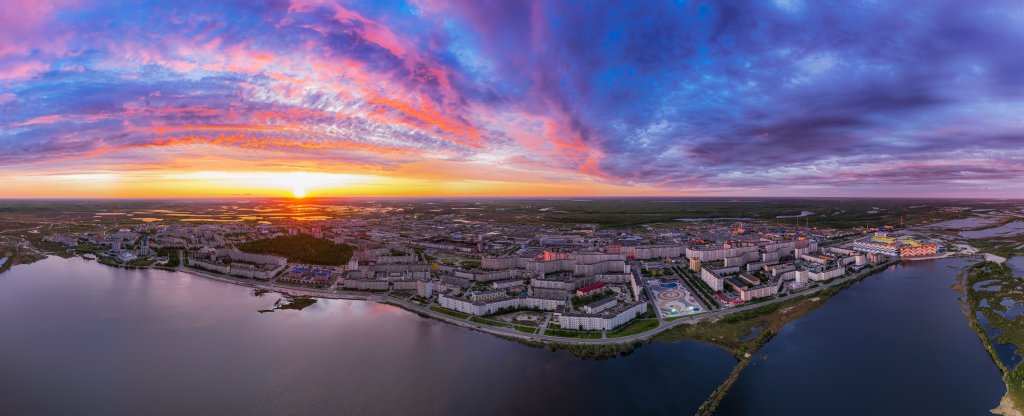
x=634, y=267
x=543, y=325
x=509, y=332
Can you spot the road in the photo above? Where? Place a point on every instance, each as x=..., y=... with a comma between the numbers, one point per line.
x=634, y=267
x=510, y=332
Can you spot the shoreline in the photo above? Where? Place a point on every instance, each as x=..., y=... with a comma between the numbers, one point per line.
x=711, y=404
x=1007, y=406
x=581, y=348
x=935, y=257
x=532, y=339
x=513, y=334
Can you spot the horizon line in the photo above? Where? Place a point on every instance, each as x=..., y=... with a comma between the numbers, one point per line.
x=549, y=197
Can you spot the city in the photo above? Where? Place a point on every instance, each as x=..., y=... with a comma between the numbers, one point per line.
x=509, y=207
x=592, y=290
x=560, y=283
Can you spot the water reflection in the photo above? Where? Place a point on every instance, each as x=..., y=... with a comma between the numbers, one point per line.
x=895, y=343
x=115, y=341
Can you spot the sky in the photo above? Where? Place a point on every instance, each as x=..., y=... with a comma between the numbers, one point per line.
x=511, y=98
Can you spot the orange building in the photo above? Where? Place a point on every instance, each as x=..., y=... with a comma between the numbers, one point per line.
x=918, y=251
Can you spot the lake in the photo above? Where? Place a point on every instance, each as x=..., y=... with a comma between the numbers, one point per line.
x=1008, y=229
x=894, y=343
x=971, y=222
x=80, y=337
x=83, y=338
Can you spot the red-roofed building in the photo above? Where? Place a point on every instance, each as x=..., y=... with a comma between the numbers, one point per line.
x=592, y=289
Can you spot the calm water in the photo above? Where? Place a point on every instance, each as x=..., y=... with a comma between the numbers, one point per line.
x=972, y=222
x=1017, y=264
x=1009, y=229
x=895, y=343
x=1007, y=352
x=82, y=338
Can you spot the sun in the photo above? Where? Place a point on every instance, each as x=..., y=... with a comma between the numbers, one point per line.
x=299, y=192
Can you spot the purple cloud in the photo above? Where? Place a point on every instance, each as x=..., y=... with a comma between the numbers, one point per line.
x=895, y=97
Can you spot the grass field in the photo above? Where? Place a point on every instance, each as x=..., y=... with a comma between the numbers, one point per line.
x=302, y=248
x=1003, y=246
x=737, y=332
x=633, y=328
x=521, y=328
x=633, y=212
x=449, y=312
x=568, y=333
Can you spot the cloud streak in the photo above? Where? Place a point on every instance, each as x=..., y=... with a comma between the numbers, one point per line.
x=837, y=98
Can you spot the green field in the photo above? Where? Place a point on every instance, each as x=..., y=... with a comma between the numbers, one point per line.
x=633, y=328
x=1001, y=246
x=633, y=212
x=302, y=248
x=489, y=322
x=449, y=312
x=1003, y=289
x=568, y=333
x=738, y=332
x=77, y=216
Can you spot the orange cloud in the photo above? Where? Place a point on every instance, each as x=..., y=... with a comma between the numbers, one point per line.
x=430, y=117
x=240, y=140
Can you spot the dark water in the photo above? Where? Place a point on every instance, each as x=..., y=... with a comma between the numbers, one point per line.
x=82, y=338
x=1007, y=353
x=972, y=222
x=1017, y=264
x=1008, y=229
x=895, y=343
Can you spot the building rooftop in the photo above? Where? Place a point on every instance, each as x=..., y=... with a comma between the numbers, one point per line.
x=591, y=288
x=602, y=302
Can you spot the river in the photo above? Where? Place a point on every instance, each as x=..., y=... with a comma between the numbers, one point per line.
x=83, y=338
x=894, y=343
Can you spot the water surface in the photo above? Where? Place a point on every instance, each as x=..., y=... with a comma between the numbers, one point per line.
x=971, y=222
x=83, y=338
x=1017, y=264
x=895, y=343
x=1008, y=229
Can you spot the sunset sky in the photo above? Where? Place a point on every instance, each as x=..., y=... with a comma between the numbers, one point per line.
x=511, y=98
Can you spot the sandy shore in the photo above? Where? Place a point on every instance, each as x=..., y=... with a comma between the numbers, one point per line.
x=995, y=258
x=1007, y=408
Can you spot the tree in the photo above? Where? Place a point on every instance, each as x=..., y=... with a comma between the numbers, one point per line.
x=302, y=249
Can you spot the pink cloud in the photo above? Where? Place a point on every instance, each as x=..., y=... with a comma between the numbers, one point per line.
x=27, y=25
x=22, y=70
x=41, y=120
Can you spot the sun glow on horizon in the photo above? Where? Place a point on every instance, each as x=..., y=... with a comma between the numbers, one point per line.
x=424, y=181
x=298, y=184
